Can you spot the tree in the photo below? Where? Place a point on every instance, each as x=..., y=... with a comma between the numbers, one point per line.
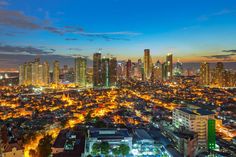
x=124, y=149
x=116, y=151
x=105, y=147
x=44, y=146
x=96, y=149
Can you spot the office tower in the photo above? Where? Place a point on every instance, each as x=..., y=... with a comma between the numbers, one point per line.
x=28, y=73
x=56, y=70
x=121, y=70
x=137, y=70
x=196, y=120
x=147, y=64
x=97, y=71
x=128, y=69
x=169, y=62
x=80, y=71
x=22, y=74
x=164, y=71
x=113, y=71
x=204, y=73
x=157, y=71
x=46, y=74
x=40, y=74
x=105, y=72
x=35, y=71
x=178, y=70
x=218, y=74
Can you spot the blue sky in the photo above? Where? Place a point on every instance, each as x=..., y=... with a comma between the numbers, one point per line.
x=193, y=30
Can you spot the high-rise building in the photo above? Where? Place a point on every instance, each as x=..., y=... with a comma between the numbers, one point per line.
x=105, y=72
x=147, y=64
x=219, y=74
x=35, y=71
x=164, y=71
x=22, y=74
x=204, y=73
x=169, y=62
x=128, y=69
x=46, y=74
x=121, y=70
x=157, y=71
x=178, y=70
x=80, y=71
x=199, y=121
x=137, y=70
x=113, y=71
x=97, y=70
x=56, y=71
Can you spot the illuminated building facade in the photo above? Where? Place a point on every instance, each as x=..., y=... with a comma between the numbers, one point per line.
x=56, y=72
x=157, y=72
x=178, y=70
x=204, y=73
x=128, y=69
x=147, y=64
x=137, y=70
x=97, y=70
x=196, y=120
x=164, y=71
x=34, y=73
x=113, y=71
x=105, y=72
x=80, y=71
x=169, y=68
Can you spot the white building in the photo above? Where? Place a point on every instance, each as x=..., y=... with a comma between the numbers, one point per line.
x=195, y=120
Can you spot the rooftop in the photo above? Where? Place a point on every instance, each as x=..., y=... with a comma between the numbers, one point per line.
x=202, y=112
x=108, y=133
x=141, y=134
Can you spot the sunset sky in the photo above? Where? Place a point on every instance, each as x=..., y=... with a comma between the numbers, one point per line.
x=194, y=31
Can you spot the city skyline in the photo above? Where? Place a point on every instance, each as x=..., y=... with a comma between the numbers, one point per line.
x=193, y=34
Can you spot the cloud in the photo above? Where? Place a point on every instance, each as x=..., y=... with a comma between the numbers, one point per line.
x=3, y=3
x=109, y=36
x=75, y=49
x=17, y=19
x=221, y=56
x=71, y=39
x=108, y=33
x=25, y=49
x=219, y=13
x=230, y=51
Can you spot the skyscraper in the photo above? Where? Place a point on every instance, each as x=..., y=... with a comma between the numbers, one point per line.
x=34, y=73
x=22, y=74
x=169, y=62
x=105, y=72
x=113, y=71
x=164, y=71
x=80, y=71
x=147, y=64
x=204, y=73
x=97, y=71
x=128, y=69
x=178, y=70
x=219, y=74
x=157, y=71
x=46, y=68
x=56, y=71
